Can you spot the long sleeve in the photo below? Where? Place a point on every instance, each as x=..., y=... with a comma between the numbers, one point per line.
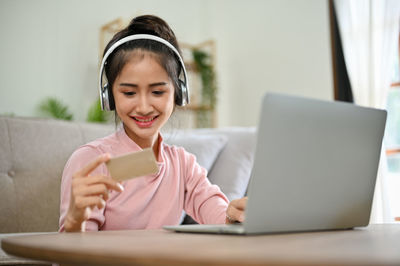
x=79, y=159
x=203, y=201
x=150, y=201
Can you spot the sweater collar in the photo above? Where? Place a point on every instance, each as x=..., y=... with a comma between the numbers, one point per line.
x=126, y=140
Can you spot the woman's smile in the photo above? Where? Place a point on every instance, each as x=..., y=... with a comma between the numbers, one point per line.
x=143, y=121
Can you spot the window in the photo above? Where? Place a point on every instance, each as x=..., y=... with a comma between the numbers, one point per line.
x=392, y=134
x=392, y=137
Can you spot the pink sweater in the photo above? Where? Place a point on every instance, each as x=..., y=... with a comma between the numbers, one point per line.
x=151, y=201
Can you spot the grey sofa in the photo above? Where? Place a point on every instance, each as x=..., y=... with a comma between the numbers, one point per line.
x=33, y=153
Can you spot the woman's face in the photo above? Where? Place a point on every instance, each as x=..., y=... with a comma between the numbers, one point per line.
x=144, y=98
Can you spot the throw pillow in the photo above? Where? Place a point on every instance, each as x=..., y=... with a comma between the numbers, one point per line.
x=206, y=148
x=232, y=170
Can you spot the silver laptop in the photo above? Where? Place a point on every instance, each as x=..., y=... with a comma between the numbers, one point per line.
x=315, y=167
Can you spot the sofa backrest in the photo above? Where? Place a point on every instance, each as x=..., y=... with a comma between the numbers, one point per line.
x=33, y=153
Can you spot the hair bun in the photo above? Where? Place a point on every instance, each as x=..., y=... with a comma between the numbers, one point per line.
x=149, y=24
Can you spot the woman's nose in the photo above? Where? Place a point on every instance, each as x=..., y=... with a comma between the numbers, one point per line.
x=144, y=105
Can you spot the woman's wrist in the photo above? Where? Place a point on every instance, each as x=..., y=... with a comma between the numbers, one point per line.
x=72, y=225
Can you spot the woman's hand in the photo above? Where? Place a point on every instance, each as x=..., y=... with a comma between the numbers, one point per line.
x=235, y=211
x=87, y=192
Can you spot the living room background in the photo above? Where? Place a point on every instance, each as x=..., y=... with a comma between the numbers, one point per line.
x=50, y=49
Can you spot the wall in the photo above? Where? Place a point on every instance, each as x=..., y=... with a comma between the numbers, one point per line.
x=50, y=48
x=276, y=46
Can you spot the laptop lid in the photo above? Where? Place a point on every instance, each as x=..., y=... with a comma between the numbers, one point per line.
x=315, y=165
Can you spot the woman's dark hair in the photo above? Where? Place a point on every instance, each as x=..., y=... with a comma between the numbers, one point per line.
x=147, y=24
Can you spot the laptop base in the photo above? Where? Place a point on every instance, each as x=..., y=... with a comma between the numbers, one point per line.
x=237, y=229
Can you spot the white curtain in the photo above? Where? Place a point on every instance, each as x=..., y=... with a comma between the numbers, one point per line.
x=369, y=31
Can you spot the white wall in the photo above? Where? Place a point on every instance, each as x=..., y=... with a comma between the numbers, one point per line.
x=280, y=45
x=50, y=48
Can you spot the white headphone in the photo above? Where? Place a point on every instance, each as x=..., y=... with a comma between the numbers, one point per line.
x=106, y=97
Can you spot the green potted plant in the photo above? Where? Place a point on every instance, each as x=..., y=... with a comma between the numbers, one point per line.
x=54, y=108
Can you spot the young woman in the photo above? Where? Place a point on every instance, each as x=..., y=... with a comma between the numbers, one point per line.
x=142, y=66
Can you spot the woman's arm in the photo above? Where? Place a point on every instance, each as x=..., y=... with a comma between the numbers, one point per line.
x=204, y=202
x=87, y=192
x=82, y=189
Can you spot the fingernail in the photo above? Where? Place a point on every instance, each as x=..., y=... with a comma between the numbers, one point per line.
x=87, y=212
x=120, y=187
x=103, y=203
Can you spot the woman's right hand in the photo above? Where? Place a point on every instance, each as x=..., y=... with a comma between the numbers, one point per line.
x=88, y=191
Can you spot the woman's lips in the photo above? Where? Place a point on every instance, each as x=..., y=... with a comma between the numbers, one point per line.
x=144, y=121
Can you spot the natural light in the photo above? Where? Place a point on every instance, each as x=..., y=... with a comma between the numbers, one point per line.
x=392, y=140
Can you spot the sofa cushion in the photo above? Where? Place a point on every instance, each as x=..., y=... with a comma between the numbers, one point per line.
x=33, y=154
x=232, y=170
x=206, y=148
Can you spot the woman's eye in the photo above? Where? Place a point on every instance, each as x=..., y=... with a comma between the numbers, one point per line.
x=158, y=92
x=128, y=93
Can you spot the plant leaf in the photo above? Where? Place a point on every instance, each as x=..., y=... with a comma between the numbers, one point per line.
x=55, y=108
x=95, y=114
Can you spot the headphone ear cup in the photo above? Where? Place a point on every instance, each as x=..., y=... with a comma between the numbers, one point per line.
x=110, y=99
x=107, y=98
x=182, y=97
x=105, y=106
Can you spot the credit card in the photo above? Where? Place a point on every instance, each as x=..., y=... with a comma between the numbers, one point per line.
x=132, y=165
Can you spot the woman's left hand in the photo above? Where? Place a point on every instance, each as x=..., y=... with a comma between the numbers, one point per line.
x=235, y=211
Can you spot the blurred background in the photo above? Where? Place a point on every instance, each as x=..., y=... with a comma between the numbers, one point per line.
x=235, y=52
x=51, y=48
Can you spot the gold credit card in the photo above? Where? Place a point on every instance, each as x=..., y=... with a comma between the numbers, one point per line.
x=132, y=165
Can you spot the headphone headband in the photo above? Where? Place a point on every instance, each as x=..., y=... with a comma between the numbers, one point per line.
x=102, y=89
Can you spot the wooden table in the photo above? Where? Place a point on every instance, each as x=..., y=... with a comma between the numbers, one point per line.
x=374, y=245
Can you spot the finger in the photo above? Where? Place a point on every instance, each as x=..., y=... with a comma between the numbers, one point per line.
x=240, y=203
x=107, y=181
x=93, y=190
x=88, y=211
x=234, y=214
x=85, y=171
x=92, y=201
